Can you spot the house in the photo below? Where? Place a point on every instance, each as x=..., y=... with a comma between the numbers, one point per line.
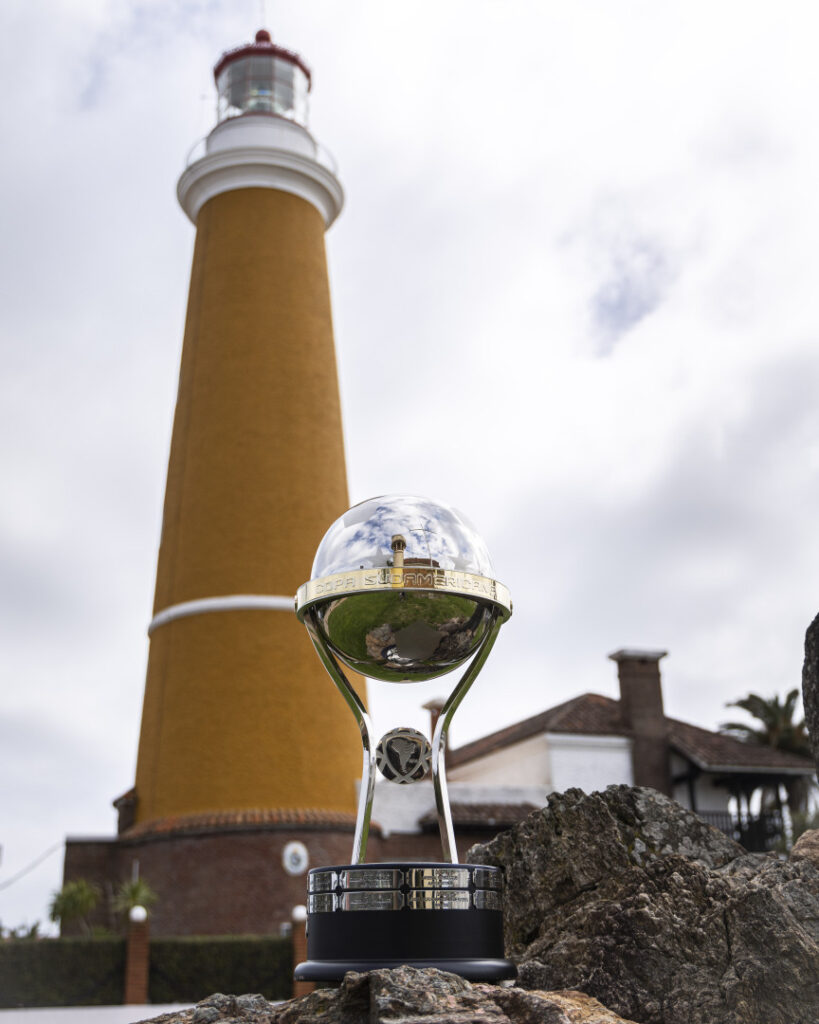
x=591, y=742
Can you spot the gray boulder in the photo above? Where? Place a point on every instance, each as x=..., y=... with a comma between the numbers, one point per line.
x=630, y=898
x=403, y=996
x=806, y=847
x=810, y=685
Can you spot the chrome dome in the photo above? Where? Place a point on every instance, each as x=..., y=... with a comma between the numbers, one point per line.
x=402, y=589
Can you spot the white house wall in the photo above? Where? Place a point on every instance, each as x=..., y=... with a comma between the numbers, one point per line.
x=710, y=797
x=589, y=762
x=707, y=796
x=397, y=808
x=556, y=761
x=680, y=789
x=524, y=763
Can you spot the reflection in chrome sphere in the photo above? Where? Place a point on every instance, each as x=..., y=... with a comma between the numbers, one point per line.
x=407, y=633
x=434, y=533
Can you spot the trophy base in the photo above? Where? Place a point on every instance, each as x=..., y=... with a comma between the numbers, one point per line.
x=363, y=917
x=472, y=970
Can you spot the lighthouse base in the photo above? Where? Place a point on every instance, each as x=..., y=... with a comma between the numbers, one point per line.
x=363, y=917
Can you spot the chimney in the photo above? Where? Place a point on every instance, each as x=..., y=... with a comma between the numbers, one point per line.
x=434, y=707
x=641, y=704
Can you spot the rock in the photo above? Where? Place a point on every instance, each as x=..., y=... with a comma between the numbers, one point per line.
x=409, y=996
x=567, y=1007
x=806, y=847
x=249, y=1004
x=206, y=1015
x=630, y=898
x=810, y=685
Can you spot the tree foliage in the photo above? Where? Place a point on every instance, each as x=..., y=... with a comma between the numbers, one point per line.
x=74, y=902
x=775, y=727
x=136, y=893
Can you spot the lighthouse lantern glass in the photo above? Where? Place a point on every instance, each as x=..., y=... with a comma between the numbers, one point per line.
x=262, y=84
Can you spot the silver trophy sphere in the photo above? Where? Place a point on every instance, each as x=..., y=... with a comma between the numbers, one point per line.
x=402, y=590
x=406, y=630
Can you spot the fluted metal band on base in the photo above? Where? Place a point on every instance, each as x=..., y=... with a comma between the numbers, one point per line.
x=428, y=914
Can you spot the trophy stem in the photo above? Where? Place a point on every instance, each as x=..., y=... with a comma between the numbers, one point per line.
x=439, y=740
x=356, y=705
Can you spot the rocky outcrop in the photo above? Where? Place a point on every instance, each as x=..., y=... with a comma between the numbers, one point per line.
x=403, y=996
x=806, y=847
x=620, y=899
x=626, y=896
x=810, y=685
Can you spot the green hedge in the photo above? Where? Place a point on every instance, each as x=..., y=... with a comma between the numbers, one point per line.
x=91, y=972
x=186, y=970
x=62, y=972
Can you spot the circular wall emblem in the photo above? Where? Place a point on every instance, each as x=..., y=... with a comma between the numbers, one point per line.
x=403, y=755
x=295, y=858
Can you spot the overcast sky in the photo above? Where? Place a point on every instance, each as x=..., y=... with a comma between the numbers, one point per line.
x=585, y=234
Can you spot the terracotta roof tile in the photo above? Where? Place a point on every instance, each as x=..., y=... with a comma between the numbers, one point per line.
x=590, y=714
x=713, y=750
x=252, y=818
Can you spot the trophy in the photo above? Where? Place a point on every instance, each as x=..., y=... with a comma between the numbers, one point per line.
x=402, y=590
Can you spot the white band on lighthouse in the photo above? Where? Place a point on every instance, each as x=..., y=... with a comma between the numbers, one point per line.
x=261, y=152
x=228, y=603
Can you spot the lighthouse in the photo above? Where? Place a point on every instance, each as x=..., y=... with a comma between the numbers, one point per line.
x=236, y=715
x=248, y=761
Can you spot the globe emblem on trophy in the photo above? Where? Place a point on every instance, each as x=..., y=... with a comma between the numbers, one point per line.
x=403, y=755
x=403, y=590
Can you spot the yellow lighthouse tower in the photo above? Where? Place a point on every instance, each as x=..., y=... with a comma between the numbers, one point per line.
x=237, y=713
x=248, y=760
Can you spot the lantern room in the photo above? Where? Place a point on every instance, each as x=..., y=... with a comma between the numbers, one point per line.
x=262, y=78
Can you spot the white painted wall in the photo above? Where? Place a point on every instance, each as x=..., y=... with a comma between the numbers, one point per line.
x=556, y=762
x=589, y=762
x=397, y=808
x=710, y=797
x=525, y=763
x=707, y=796
x=680, y=789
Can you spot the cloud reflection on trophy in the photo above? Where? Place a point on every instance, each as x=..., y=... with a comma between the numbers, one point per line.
x=402, y=590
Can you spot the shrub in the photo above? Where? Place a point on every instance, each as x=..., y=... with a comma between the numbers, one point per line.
x=62, y=972
x=189, y=969
x=91, y=971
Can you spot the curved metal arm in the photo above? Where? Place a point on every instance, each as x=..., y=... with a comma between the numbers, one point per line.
x=440, y=738
x=356, y=705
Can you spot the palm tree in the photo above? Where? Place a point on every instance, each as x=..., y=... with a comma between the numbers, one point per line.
x=74, y=902
x=777, y=729
x=136, y=893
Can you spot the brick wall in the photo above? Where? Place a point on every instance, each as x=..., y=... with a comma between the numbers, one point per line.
x=230, y=882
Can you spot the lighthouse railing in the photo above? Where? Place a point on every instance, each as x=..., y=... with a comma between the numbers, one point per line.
x=321, y=154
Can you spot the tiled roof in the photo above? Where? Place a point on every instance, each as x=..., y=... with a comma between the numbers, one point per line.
x=482, y=815
x=594, y=715
x=232, y=821
x=713, y=750
x=589, y=715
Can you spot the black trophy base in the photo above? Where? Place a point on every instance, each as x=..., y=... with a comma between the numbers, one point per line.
x=472, y=970
x=366, y=917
